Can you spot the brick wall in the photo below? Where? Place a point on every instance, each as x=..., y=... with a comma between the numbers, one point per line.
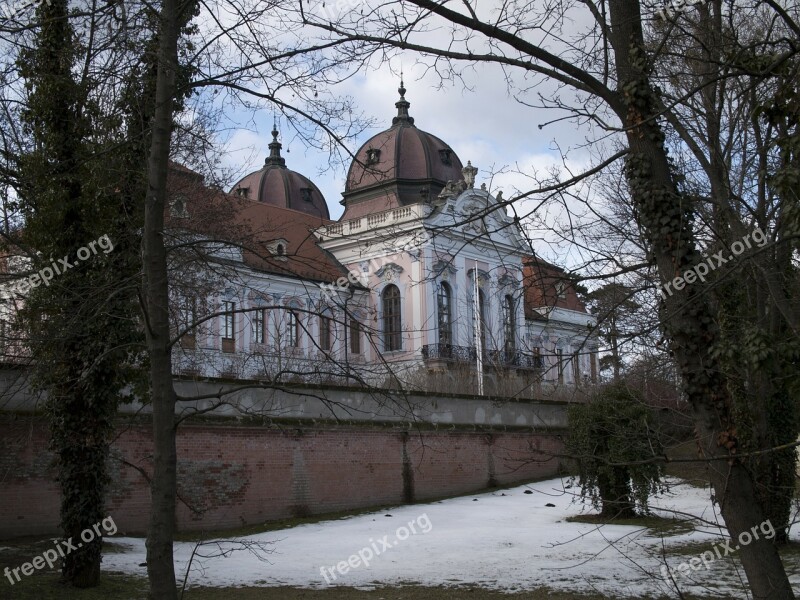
x=234, y=475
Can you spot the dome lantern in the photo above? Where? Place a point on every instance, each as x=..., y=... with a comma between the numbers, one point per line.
x=399, y=166
x=278, y=185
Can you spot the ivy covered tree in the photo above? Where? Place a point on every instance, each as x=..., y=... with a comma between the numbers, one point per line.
x=80, y=228
x=608, y=435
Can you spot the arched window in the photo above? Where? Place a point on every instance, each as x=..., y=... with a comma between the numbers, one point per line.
x=392, y=337
x=445, y=314
x=509, y=324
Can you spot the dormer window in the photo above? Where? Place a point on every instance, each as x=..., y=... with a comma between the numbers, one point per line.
x=305, y=194
x=177, y=207
x=278, y=249
x=373, y=156
x=242, y=192
x=446, y=155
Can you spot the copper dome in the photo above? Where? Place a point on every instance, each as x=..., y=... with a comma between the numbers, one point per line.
x=402, y=165
x=278, y=186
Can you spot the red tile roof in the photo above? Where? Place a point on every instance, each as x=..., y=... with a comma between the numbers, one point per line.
x=254, y=226
x=542, y=282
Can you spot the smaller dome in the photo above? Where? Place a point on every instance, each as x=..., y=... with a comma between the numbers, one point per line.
x=276, y=185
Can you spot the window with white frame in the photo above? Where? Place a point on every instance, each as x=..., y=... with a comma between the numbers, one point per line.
x=509, y=324
x=187, y=314
x=292, y=329
x=392, y=322
x=260, y=326
x=325, y=329
x=228, y=320
x=355, y=335
x=444, y=302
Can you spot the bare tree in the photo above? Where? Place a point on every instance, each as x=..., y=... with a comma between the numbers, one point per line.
x=613, y=67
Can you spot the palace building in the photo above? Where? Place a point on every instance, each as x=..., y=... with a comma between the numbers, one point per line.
x=424, y=281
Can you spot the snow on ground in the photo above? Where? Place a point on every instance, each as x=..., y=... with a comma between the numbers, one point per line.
x=508, y=540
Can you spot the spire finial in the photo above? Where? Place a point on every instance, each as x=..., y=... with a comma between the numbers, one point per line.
x=402, y=105
x=275, y=146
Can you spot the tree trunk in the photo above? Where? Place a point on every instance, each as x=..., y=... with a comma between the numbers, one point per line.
x=160, y=566
x=686, y=318
x=615, y=493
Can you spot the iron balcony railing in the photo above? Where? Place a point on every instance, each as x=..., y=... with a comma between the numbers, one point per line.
x=468, y=354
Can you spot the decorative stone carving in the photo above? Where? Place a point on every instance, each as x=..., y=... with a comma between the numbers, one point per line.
x=469, y=174
x=295, y=302
x=443, y=268
x=483, y=277
x=452, y=189
x=389, y=271
x=508, y=280
x=472, y=213
x=258, y=298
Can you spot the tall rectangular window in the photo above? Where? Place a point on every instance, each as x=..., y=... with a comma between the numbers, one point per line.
x=538, y=363
x=187, y=314
x=481, y=326
x=560, y=359
x=228, y=320
x=293, y=330
x=445, y=318
x=355, y=336
x=509, y=324
x=260, y=326
x=228, y=327
x=392, y=323
x=324, y=333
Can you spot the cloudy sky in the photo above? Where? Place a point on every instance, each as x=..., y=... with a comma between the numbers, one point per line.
x=483, y=125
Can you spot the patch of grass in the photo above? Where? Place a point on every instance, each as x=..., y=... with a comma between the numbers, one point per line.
x=45, y=584
x=383, y=593
x=790, y=553
x=658, y=526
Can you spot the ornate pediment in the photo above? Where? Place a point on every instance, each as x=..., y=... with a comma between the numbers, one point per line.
x=389, y=271
x=293, y=302
x=259, y=298
x=483, y=277
x=443, y=268
x=508, y=280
